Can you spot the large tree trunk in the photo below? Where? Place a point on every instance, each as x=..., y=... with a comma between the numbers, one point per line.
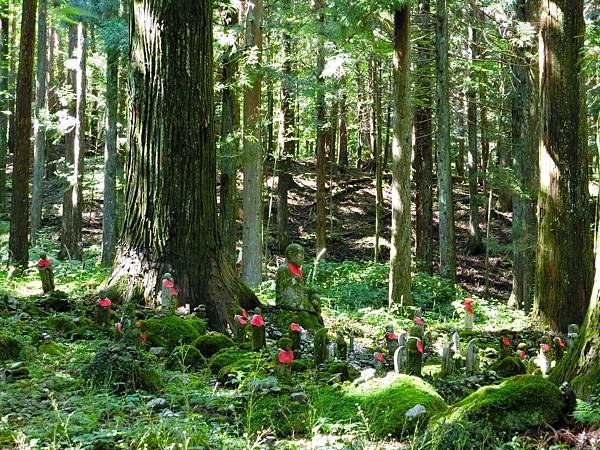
x=525, y=142
x=423, y=153
x=444, y=175
x=376, y=145
x=230, y=124
x=18, y=243
x=71, y=243
x=4, y=55
x=400, y=255
x=252, y=233
x=39, y=130
x=110, y=205
x=564, y=248
x=321, y=225
x=171, y=212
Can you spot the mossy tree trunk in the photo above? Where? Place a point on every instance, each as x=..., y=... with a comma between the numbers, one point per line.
x=343, y=150
x=400, y=255
x=4, y=54
x=19, y=212
x=170, y=220
x=564, y=248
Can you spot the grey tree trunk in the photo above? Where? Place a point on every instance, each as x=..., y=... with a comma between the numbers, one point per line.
x=252, y=234
x=445, y=201
x=343, y=150
x=400, y=254
x=4, y=104
x=71, y=242
x=39, y=127
x=321, y=226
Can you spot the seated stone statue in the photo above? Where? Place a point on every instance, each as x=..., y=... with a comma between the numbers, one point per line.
x=291, y=292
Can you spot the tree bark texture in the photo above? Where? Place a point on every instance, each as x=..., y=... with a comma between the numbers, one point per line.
x=4, y=104
x=400, y=254
x=376, y=145
x=564, y=248
x=321, y=225
x=343, y=150
x=71, y=245
x=170, y=220
x=444, y=175
x=252, y=233
x=423, y=151
x=18, y=244
x=525, y=142
x=39, y=128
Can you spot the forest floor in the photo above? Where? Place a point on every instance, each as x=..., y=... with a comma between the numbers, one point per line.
x=58, y=393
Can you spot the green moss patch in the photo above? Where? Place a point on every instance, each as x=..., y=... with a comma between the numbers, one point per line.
x=170, y=331
x=282, y=320
x=210, y=344
x=232, y=362
x=10, y=347
x=508, y=367
x=185, y=357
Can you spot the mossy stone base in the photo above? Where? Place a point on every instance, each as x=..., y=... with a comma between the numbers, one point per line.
x=185, y=357
x=9, y=347
x=210, y=344
x=508, y=366
x=344, y=369
x=283, y=318
x=230, y=362
x=170, y=331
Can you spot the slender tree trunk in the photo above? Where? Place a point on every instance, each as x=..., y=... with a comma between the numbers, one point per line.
x=475, y=245
x=321, y=226
x=564, y=248
x=400, y=255
x=333, y=134
x=343, y=151
x=460, y=159
x=110, y=206
x=230, y=124
x=71, y=242
x=284, y=179
x=376, y=144
x=4, y=104
x=39, y=128
x=444, y=174
x=172, y=144
x=525, y=142
x=12, y=81
x=18, y=244
x=423, y=153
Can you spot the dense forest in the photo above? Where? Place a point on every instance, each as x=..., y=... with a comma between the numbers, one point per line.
x=322, y=224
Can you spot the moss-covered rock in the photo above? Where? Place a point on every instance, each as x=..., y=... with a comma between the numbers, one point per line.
x=62, y=325
x=210, y=344
x=280, y=414
x=232, y=362
x=508, y=367
x=10, y=347
x=170, y=331
x=185, y=357
x=224, y=358
x=344, y=369
x=122, y=370
x=391, y=404
x=51, y=348
x=517, y=404
x=282, y=320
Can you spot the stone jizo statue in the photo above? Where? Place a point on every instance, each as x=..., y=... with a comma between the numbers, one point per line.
x=259, y=338
x=469, y=313
x=44, y=266
x=103, y=308
x=168, y=299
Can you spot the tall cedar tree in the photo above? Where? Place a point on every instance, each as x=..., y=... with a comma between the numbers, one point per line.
x=400, y=256
x=170, y=222
x=19, y=212
x=564, y=248
x=4, y=104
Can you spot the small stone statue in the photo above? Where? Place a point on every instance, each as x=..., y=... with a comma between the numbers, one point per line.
x=419, y=328
x=469, y=313
x=44, y=266
x=295, y=334
x=291, y=292
x=240, y=325
x=559, y=348
x=321, y=352
x=447, y=360
x=103, y=308
x=505, y=348
x=168, y=301
x=341, y=347
x=400, y=358
x=128, y=329
x=414, y=355
x=284, y=361
x=391, y=340
x=472, y=358
x=259, y=338
x=544, y=358
x=572, y=334
x=379, y=363
x=402, y=338
x=521, y=352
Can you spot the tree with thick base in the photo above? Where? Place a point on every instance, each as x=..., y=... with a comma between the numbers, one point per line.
x=170, y=223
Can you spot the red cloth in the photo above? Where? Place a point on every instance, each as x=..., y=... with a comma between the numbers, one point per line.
x=505, y=341
x=144, y=337
x=44, y=263
x=419, y=345
x=522, y=355
x=419, y=321
x=173, y=291
x=168, y=283
x=244, y=313
x=469, y=305
x=295, y=327
x=560, y=342
x=545, y=347
x=241, y=319
x=119, y=327
x=257, y=321
x=285, y=357
x=379, y=356
x=296, y=271
x=104, y=302
x=390, y=336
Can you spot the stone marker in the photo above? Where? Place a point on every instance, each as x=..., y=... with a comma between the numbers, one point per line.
x=168, y=300
x=505, y=347
x=447, y=360
x=259, y=339
x=521, y=352
x=414, y=355
x=572, y=334
x=400, y=359
x=321, y=342
x=544, y=358
x=391, y=340
x=472, y=358
x=559, y=348
x=44, y=266
x=295, y=333
x=379, y=363
x=341, y=347
x=469, y=313
x=103, y=308
x=240, y=326
x=284, y=361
